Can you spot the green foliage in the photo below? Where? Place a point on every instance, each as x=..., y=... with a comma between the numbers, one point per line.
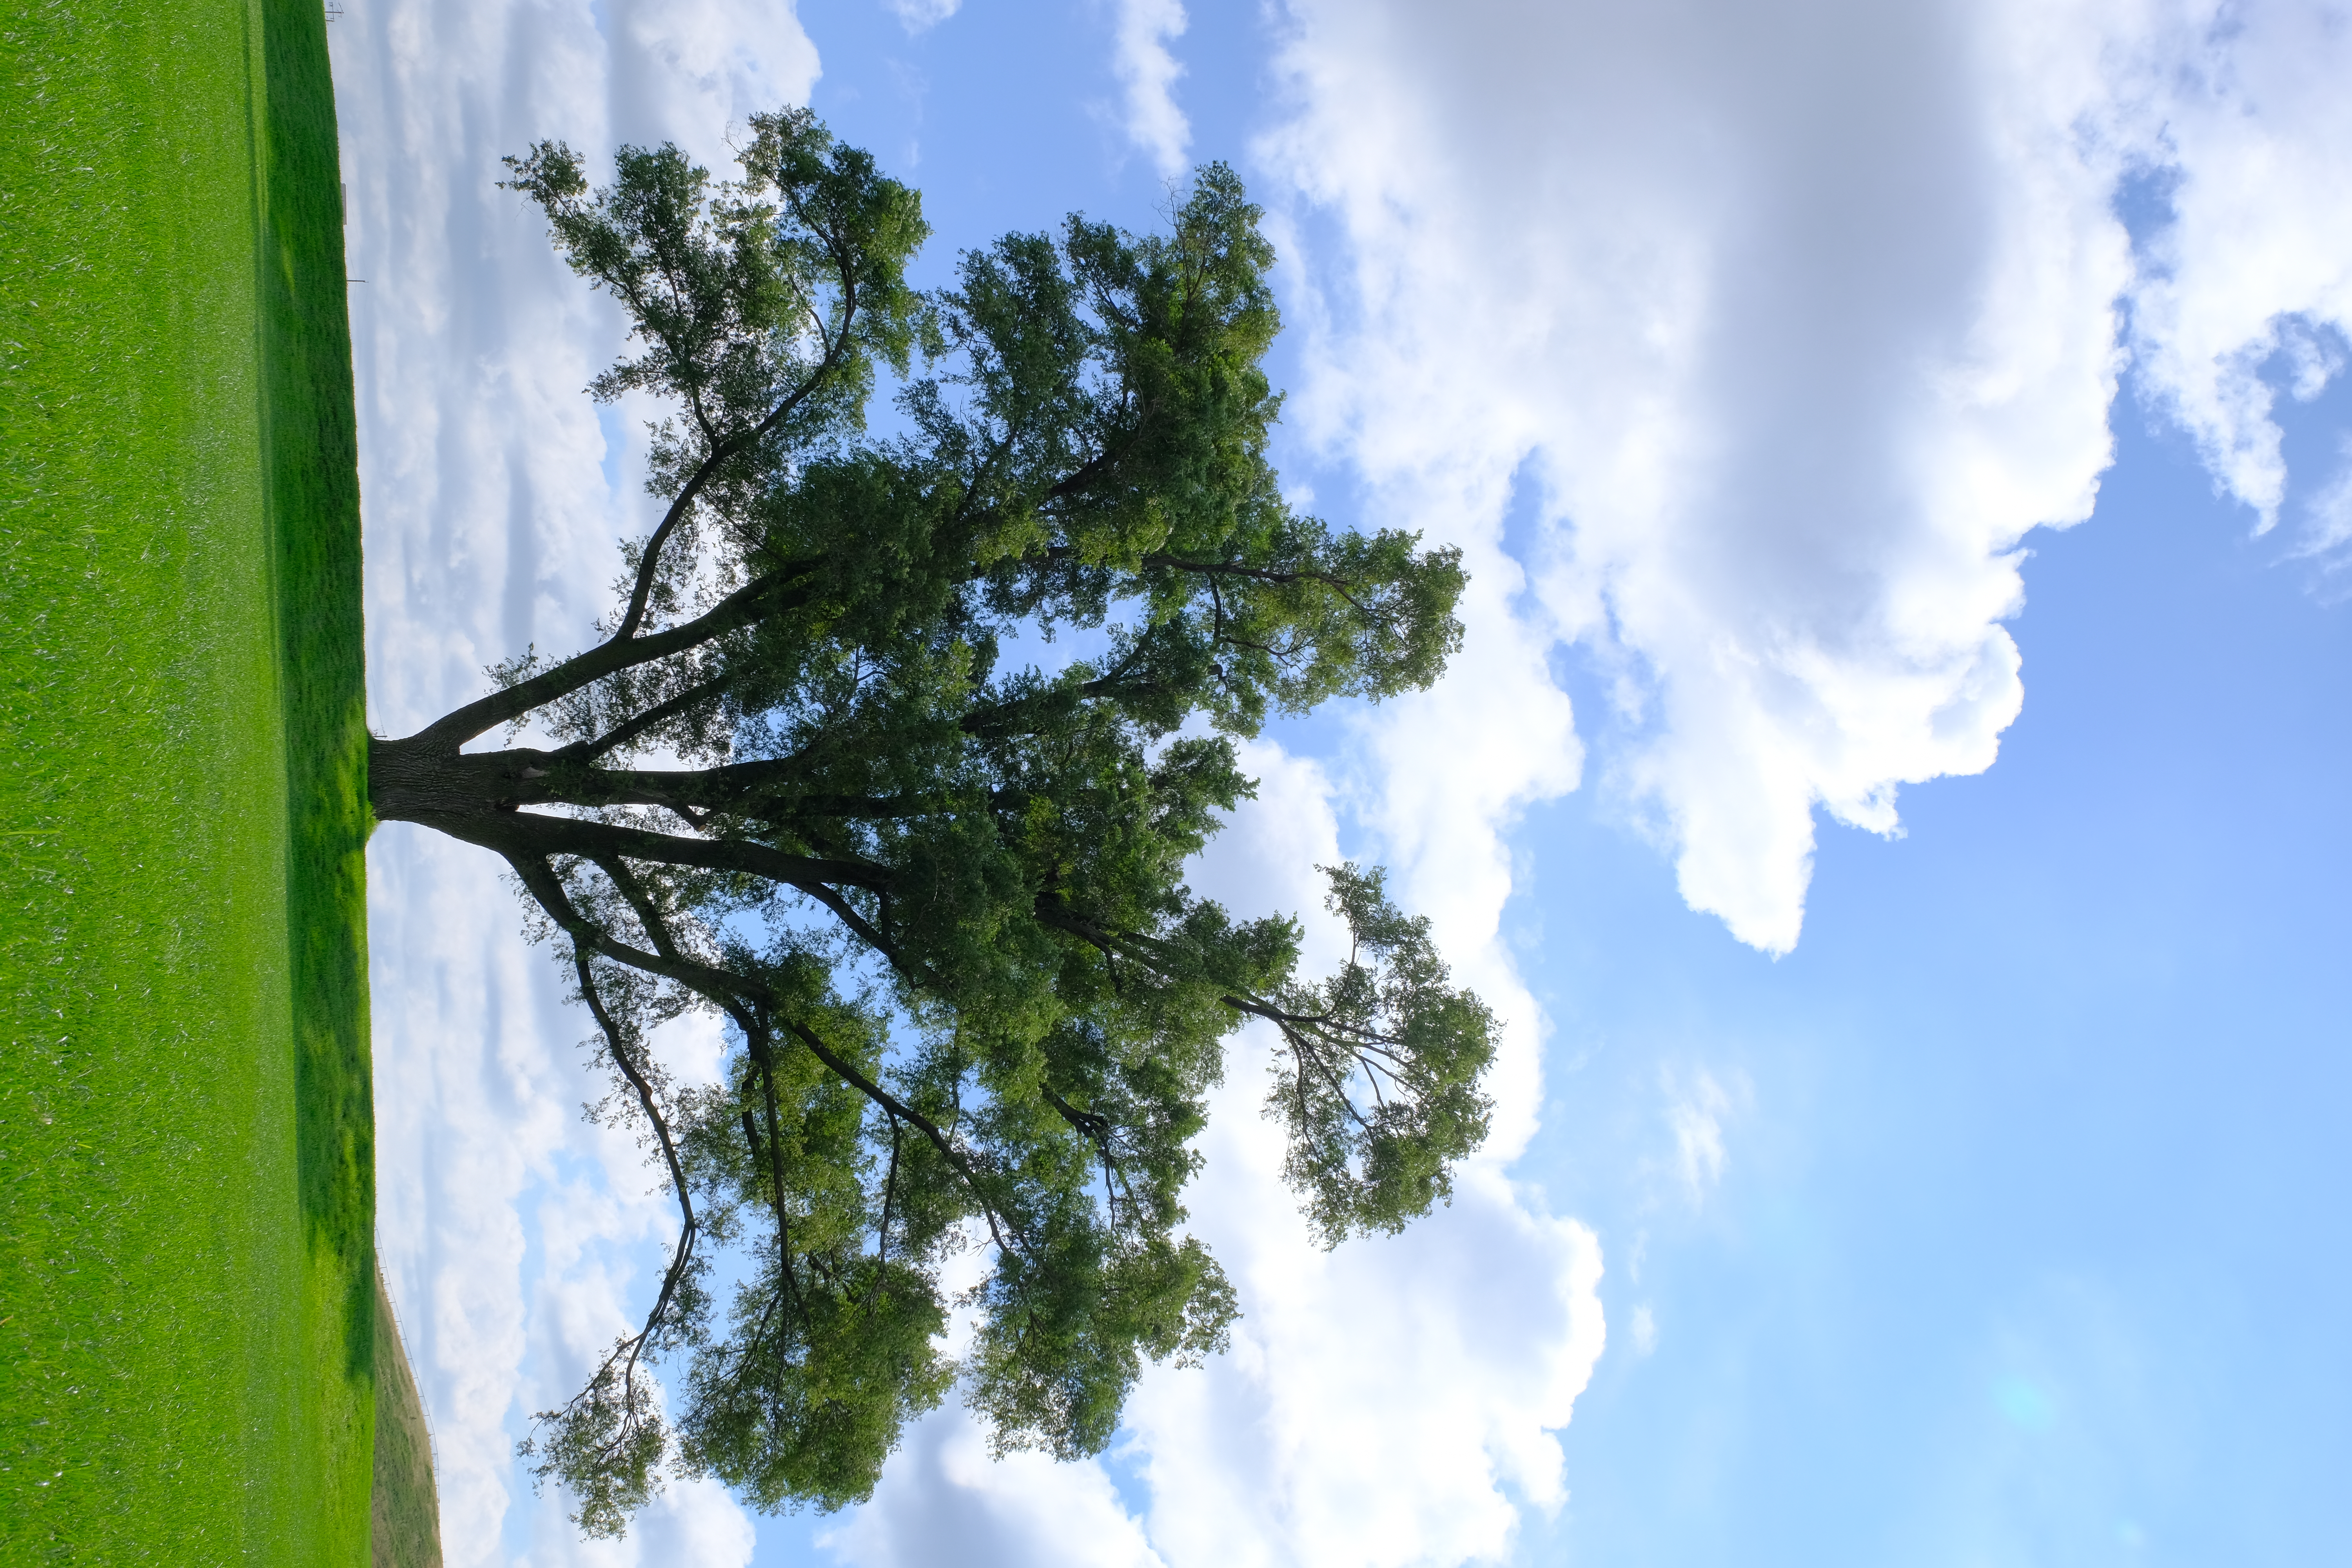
x=1388, y=1030
x=939, y=893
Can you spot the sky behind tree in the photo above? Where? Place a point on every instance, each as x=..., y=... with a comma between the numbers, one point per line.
x=1891, y=788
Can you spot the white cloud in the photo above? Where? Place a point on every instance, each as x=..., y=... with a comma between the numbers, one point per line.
x=944, y=1499
x=922, y=16
x=1644, y=1329
x=1147, y=71
x=1796, y=318
x=2244, y=109
x=2327, y=524
x=1696, y=1109
x=1392, y=1402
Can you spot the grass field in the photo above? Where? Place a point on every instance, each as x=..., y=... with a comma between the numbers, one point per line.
x=407, y=1514
x=186, y=1296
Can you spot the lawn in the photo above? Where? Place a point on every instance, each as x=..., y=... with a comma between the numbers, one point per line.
x=407, y=1513
x=186, y=1291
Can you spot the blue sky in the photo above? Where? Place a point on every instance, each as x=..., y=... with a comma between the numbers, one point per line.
x=1918, y=925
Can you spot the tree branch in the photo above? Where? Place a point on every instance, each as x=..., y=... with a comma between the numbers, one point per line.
x=614, y=654
x=730, y=991
x=648, y=565
x=1061, y=554
x=689, y=1229
x=532, y=833
x=758, y=1046
x=848, y=1073
x=661, y=713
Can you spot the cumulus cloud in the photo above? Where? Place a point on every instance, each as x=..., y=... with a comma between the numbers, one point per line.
x=1146, y=72
x=1795, y=318
x=1393, y=1402
x=943, y=1498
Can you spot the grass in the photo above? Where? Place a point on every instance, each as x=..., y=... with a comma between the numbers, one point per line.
x=408, y=1515
x=186, y=1297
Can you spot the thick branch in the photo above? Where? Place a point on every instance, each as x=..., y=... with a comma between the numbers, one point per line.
x=761, y=596
x=530, y=833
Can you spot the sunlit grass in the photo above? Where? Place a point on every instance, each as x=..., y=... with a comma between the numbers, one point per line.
x=187, y=1302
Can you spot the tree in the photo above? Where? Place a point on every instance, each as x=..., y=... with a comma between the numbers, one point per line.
x=936, y=893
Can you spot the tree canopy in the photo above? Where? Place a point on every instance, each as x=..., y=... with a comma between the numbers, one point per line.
x=938, y=893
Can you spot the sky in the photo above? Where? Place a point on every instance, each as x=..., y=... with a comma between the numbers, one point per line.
x=1892, y=788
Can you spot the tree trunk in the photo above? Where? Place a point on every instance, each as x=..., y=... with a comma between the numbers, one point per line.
x=470, y=796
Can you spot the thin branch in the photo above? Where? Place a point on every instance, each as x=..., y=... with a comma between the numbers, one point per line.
x=849, y=1074
x=648, y=565
x=1061, y=554
x=995, y=717
x=1306, y=1051
x=633, y=890
x=731, y=991
x=588, y=751
x=758, y=1046
x=1096, y=1129
x=684, y=1251
x=889, y=1193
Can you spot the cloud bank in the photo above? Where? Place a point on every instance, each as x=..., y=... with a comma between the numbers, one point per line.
x=493, y=495
x=1794, y=319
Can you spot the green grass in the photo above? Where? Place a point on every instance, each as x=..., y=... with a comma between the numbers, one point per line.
x=186, y=1305
x=407, y=1513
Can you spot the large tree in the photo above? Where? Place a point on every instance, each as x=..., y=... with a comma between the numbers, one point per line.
x=937, y=894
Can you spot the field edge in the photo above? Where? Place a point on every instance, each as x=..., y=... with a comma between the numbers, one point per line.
x=312, y=497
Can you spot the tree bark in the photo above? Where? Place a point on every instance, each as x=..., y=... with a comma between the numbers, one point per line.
x=475, y=796
x=427, y=780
